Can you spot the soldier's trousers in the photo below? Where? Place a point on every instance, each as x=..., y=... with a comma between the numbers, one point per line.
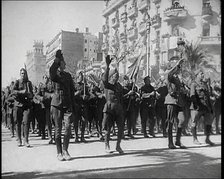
x=113, y=112
x=147, y=113
x=196, y=115
x=58, y=117
x=22, y=121
x=41, y=119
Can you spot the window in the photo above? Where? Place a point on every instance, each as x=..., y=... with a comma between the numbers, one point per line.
x=85, y=50
x=85, y=41
x=206, y=30
x=175, y=30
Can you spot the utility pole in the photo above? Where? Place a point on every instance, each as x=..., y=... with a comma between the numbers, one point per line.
x=148, y=24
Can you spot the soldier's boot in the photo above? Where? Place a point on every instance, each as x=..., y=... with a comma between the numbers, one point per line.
x=194, y=134
x=66, y=155
x=26, y=135
x=118, y=148
x=18, y=133
x=58, y=145
x=208, y=132
x=107, y=147
x=170, y=138
x=178, y=136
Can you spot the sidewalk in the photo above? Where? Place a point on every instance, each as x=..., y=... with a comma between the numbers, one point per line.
x=143, y=158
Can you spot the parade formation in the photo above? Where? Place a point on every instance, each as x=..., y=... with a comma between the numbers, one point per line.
x=61, y=103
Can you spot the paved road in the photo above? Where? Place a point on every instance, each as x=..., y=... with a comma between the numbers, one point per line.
x=143, y=158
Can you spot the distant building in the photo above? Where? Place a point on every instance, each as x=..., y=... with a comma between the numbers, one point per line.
x=79, y=48
x=193, y=20
x=36, y=63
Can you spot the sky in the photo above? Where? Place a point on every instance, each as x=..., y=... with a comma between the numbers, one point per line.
x=26, y=21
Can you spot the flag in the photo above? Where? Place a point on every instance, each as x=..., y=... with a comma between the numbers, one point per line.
x=134, y=67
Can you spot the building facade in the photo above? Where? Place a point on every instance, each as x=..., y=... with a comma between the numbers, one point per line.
x=36, y=63
x=125, y=28
x=79, y=49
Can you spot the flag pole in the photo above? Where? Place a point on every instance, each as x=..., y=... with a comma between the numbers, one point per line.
x=148, y=24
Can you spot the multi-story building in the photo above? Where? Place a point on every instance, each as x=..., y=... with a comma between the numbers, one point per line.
x=197, y=21
x=36, y=63
x=78, y=48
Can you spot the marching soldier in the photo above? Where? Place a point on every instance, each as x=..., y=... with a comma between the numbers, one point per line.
x=147, y=107
x=201, y=106
x=23, y=91
x=113, y=109
x=61, y=103
x=160, y=107
x=130, y=105
x=43, y=97
x=81, y=100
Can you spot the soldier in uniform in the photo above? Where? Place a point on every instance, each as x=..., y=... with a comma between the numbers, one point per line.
x=130, y=106
x=81, y=100
x=201, y=106
x=113, y=109
x=147, y=107
x=23, y=91
x=160, y=107
x=43, y=97
x=10, y=109
x=174, y=103
x=61, y=103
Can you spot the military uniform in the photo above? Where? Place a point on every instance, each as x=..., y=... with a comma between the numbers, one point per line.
x=113, y=110
x=23, y=106
x=82, y=109
x=174, y=102
x=61, y=103
x=147, y=108
x=201, y=106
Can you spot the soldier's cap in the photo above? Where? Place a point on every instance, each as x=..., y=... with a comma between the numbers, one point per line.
x=147, y=77
x=126, y=77
x=180, y=42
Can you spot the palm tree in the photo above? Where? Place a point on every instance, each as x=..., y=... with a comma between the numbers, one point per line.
x=197, y=58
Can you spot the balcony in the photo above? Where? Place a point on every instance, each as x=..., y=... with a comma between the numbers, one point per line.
x=105, y=47
x=132, y=12
x=124, y=17
x=115, y=23
x=143, y=5
x=156, y=1
x=176, y=12
x=156, y=21
x=207, y=12
x=142, y=27
x=132, y=33
x=123, y=37
x=210, y=40
x=105, y=29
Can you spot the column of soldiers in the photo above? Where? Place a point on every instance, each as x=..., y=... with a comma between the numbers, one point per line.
x=107, y=105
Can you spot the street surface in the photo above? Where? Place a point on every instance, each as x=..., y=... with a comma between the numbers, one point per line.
x=143, y=158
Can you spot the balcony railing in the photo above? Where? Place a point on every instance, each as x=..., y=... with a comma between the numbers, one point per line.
x=175, y=12
x=132, y=12
x=105, y=29
x=207, y=11
x=156, y=21
x=210, y=40
x=123, y=37
x=143, y=4
x=142, y=28
x=124, y=17
x=115, y=23
x=132, y=33
x=156, y=1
